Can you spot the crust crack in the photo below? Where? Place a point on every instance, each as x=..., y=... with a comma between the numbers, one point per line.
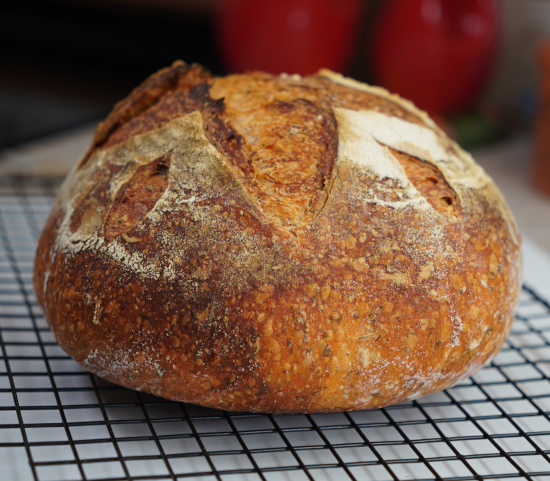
x=137, y=197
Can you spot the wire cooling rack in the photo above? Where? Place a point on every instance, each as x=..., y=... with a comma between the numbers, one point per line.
x=58, y=422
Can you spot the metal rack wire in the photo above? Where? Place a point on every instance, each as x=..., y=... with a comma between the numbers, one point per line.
x=59, y=422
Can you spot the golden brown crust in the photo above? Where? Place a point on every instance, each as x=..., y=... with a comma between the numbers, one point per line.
x=390, y=269
x=288, y=134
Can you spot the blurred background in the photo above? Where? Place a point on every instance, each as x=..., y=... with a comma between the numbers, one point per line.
x=481, y=68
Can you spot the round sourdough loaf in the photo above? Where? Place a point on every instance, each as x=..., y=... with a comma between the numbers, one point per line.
x=277, y=244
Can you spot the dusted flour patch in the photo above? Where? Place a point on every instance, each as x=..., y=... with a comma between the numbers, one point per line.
x=357, y=144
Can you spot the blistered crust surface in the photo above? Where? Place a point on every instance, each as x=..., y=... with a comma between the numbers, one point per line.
x=162, y=269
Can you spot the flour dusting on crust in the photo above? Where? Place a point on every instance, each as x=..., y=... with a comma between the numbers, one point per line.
x=412, y=139
x=163, y=271
x=357, y=144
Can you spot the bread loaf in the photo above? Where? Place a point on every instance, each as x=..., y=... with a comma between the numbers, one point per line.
x=277, y=244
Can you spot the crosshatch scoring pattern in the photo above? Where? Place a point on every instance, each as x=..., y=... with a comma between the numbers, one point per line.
x=58, y=422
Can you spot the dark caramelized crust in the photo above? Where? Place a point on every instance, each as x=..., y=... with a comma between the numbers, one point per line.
x=277, y=244
x=160, y=98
